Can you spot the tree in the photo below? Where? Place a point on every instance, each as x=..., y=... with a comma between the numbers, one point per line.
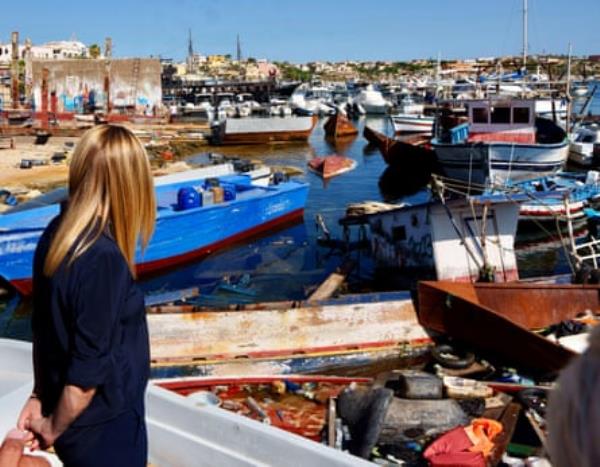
x=94, y=51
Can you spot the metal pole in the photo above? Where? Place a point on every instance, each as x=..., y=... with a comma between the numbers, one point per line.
x=524, y=34
x=15, y=70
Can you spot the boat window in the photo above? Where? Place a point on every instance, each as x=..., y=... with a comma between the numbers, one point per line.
x=585, y=138
x=521, y=115
x=399, y=233
x=501, y=115
x=480, y=115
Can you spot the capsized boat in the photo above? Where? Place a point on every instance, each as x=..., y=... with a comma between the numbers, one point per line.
x=499, y=319
x=502, y=142
x=338, y=126
x=190, y=223
x=345, y=334
x=263, y=130
x=331, y=166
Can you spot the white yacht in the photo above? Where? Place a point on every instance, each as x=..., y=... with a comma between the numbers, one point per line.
x=372, y=101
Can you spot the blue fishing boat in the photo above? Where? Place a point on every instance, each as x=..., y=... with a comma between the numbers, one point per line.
x=554, y=196
x=189, y=224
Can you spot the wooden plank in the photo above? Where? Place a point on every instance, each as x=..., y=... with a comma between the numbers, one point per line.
x=509, y=422
x=332, y=283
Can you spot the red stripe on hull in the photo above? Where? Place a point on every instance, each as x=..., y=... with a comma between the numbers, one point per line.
x=25, y=286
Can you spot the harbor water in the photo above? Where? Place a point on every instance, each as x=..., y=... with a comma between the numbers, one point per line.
x=289, y=263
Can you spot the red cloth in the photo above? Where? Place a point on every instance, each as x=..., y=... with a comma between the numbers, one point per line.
x=452, y=450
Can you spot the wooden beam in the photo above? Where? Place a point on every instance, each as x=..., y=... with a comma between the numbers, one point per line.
x=333, y=282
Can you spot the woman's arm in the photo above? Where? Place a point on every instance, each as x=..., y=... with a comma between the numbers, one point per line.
x=73, y=401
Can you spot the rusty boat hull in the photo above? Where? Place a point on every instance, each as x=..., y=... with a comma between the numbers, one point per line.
x=337, y=336
x=338, y=126
x=499, y=319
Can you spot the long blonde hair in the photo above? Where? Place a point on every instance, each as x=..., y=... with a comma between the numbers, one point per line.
x=110, y=184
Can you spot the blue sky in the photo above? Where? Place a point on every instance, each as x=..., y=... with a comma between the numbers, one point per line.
x=311, y=29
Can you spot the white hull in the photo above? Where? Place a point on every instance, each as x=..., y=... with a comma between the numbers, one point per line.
x=375, y=109
x=412, y=124
x=423, y=237
x=499, y=163
x=582, y=154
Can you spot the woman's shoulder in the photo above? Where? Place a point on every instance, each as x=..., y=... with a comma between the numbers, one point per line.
x=103, y=250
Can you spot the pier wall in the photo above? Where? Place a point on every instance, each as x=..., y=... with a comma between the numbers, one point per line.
x=72, y=84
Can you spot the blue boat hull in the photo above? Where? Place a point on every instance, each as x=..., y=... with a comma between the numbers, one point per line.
x=179, y=237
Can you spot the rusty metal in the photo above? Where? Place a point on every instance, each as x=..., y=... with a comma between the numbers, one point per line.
x=499, y=318
x=44, y=114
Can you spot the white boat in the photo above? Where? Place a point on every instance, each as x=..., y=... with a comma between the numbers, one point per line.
x=583, y=142
x=502, y=142
x=447, y=238
x=412, y=123
x=180, y=431
x=550, y=107
x=372, y=101
x=408, y=106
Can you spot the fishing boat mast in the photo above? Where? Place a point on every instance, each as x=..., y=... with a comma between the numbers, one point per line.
x=524, y=34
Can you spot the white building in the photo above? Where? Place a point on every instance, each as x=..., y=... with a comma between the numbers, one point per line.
x=50, y=50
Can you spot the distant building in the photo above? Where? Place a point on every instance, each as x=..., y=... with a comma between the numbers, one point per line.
x=55, y=50
x=594, y=58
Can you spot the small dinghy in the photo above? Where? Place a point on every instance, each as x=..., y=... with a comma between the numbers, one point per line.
x=331, y=166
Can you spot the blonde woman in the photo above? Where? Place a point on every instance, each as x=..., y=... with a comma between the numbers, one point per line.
x=90, y=337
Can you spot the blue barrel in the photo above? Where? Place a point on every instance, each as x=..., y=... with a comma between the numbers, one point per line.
x=228, y=191
x=188, y=198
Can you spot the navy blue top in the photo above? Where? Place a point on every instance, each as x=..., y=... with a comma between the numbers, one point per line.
x=89, y=330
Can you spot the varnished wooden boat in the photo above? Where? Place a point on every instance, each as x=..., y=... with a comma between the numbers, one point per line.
x=268, y=130
x=331, y=166
x=338, y=126
x=410, y=151
x=295, y=403
x=499, y=318
x=349, y=334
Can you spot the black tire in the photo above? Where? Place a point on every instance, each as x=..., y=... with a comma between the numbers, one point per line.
x=449, y=357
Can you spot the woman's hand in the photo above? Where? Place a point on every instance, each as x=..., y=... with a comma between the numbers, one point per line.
x=31, y=410
x=44, y=431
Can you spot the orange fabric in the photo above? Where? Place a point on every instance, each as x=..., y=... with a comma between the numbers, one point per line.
x=484, y=430
x=503, y=137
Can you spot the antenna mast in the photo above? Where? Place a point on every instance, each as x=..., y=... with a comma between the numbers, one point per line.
x=525, y=34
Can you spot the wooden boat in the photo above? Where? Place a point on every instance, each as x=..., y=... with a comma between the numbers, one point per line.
x=263, y=130
x=183, y=232
x=295, y=403
x=338, y=126
x=410, y=152
x=331, y=166
x=499, y=319
x=349, y=333
x=180, y=431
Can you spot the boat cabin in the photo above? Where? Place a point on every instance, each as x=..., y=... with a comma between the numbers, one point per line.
x=502, y=121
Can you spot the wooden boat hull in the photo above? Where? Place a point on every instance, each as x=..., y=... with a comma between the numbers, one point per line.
x=338, y=126
x=499, y=318
x=409, y=153
x=331, y=166
x=261, y=133
x=288, y=337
